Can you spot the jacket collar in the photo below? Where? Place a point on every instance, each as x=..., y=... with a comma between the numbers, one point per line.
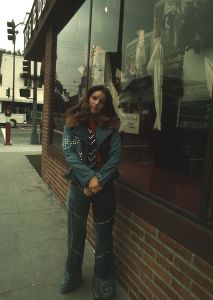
x=81, y=132
x=101, y=133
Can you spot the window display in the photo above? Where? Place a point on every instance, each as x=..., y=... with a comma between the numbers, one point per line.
x=166, y=79
x=104, y=38
x=156, y=57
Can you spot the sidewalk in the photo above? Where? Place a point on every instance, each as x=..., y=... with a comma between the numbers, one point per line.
x=20, y=148
x=33, y=234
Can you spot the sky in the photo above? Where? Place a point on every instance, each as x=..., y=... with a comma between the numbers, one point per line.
x=13, y=10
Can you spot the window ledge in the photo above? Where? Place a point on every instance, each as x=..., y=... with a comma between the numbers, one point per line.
x=180, y=227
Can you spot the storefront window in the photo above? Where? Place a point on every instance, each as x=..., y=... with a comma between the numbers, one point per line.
x=156, y=57
x=165, y=96
x=71, y=61
x=104, y=39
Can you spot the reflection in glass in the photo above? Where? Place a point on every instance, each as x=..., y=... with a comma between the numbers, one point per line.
x=104, y=37
x=165, y=92
x=70, y=78
x=158, y=65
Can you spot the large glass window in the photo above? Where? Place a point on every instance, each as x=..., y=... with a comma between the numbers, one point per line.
x=71, y=61
x=104, y=39
x=156, y=57
x=165, y=97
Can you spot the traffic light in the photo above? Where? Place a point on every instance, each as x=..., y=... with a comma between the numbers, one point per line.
x=27, y=72
x=8, y=92
x=26, y=68
x=24, y=93
x=11, y=31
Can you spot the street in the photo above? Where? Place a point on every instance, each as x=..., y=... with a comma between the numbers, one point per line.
x=19, y=135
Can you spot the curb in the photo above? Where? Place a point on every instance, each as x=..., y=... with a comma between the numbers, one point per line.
x=20, y=148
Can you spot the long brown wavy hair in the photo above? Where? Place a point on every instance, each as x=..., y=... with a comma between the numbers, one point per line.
x=80, y=113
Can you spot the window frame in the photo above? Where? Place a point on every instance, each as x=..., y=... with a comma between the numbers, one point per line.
x=177, y=223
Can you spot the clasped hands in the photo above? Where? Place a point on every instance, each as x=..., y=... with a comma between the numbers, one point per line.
x=94, y=186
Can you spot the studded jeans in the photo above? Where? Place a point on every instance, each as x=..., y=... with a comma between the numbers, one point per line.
x=103, y=207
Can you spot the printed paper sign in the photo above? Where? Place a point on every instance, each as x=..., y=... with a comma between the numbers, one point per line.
x=132, y=123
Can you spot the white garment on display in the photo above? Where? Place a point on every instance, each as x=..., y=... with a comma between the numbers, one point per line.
x=116, y=103
x=97, y=65
x=140, y=56
x=155, y=68
x=209, y=75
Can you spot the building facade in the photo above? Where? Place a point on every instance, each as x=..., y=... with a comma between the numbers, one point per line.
x=22, y=105
x=156, y=57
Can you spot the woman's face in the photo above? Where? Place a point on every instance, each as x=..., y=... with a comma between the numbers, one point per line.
x=96, y=102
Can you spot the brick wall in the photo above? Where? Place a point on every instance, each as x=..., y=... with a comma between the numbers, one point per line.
x=150, y=265
x=51, y=169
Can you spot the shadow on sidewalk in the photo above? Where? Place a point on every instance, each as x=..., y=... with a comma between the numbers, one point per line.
x=35, y=161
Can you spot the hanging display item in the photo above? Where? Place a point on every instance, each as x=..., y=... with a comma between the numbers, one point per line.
x=155, y=68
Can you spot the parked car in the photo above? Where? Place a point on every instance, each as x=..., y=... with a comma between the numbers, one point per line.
x=14, y=119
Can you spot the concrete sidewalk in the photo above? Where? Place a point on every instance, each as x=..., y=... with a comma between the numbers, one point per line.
x=20, y=148
x=33, y=234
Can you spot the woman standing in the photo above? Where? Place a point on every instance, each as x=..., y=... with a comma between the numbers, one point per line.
x=92, y=148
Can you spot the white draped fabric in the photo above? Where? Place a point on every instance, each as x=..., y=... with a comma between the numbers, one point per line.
x=155, y=68
x=209, y=75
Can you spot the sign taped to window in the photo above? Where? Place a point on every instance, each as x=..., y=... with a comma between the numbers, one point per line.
x=132, y=123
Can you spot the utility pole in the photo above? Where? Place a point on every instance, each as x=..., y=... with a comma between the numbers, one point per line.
x=34, y=134
x=89, y=45
x=11, y=26
x=12, y=37
x=14, y=59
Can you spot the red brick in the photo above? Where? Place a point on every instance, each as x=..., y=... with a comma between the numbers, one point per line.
x=163, y=262
x=137, y=230
x=122, y=278
x=200, y=293
x=123, y=283
x=194, y=275
x=123, y=227
x=158, y=247
x=124, y=249
x=146, y=270
x=180, y=290
x=157, y=268
x=133, y=295
x=143, y=246
x=137, y=239
x=167, y=290
x=136, y=259
x=144, y=293
x=142, y=296
x=133, y=287
x=180, y=276
x=134, y=279
x=203, y=266
x=127, y=264
x=154, y=289
x=122, y=275
x=135, y=248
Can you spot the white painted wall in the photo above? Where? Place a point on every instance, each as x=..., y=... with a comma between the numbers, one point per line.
x=7, y=80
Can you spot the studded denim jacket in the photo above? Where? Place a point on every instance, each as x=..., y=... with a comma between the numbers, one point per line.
x=75, y=145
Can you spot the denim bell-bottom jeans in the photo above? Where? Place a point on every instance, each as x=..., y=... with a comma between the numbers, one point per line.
x=103, y=207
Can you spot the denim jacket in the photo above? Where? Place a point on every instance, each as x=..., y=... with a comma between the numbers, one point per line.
x=75, y=145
